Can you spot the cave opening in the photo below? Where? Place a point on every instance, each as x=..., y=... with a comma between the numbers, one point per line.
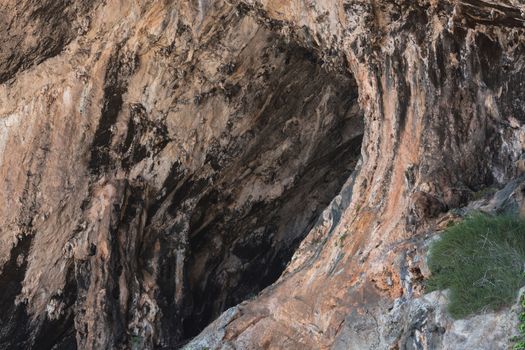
x=304, y=144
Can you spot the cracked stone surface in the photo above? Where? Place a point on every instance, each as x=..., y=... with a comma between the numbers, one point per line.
x=250, y=174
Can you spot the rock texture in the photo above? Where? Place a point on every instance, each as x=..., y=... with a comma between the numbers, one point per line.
x=276, y=166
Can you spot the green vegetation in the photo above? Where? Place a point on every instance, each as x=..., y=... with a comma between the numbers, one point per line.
x=342, y=239
x=483, y=193
x=340, y=242
x=136, y=342
x=481, y=261
x=519, y=341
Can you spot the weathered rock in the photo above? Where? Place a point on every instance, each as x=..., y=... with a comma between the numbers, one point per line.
x=161, y=162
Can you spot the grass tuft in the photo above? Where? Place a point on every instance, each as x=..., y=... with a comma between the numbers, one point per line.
x=481, y=261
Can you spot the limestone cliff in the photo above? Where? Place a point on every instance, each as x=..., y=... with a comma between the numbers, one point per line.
x=249, y=174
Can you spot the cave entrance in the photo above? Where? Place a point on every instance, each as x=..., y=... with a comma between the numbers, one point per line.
x=304, y=144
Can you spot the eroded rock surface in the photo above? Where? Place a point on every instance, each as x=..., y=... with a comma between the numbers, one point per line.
x=276, y=166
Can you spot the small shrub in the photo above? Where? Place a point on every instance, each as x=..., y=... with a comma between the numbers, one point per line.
x=136, y=342
x=342, y=239
x=483, y=193
x=481, y=261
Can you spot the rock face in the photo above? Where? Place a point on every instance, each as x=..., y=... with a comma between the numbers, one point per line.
x=276, y=166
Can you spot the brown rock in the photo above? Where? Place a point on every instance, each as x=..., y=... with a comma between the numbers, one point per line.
x=161, y=162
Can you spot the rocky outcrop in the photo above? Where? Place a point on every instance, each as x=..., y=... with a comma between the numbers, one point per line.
x=276, y=166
